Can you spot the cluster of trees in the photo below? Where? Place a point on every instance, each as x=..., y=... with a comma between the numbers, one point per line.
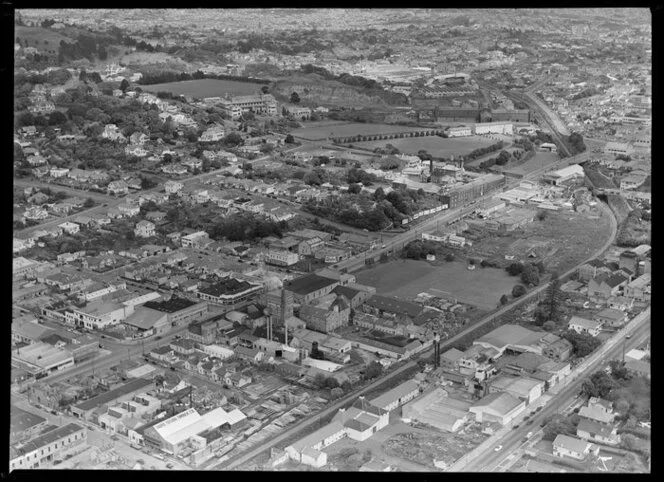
x=246, y=227
x=530, y=273
x=85, y=46
x=342, y=210
x=575, y=141
x=502, y=159
x=165, y=76
x=373, y=370
x=588, y=92
x=360, y=176
x=483, y=151
x=583, y=343
x=419, y=249
x=629, y=394
x=285, y=44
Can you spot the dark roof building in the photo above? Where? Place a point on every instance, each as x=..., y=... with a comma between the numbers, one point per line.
x=308, y=284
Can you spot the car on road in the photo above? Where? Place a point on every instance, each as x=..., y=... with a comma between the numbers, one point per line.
x=169, y=465
x=628, y=337
x=498, y=448
x=529, y=434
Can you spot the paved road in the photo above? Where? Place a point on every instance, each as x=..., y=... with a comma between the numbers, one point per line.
x=488, y=460
x=119, y=352
x=237, y=461
x=549, y=113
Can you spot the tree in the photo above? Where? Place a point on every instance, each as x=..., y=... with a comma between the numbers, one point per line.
x=57, y=118
x=553, y=299
x=379, y=194
x=550, y=325
x=233, y=139
x=504, y=300
x=295, y=98
x=514, y=269
x=518, y=290
x=582, y=343
x=354, y=188
x=124, y=85
x=331, y=382
x=373, y=370
x=266, y=148
x=449, y=257
x=265, y=89
x=89, y=202
x=26, y=119
x=336, y=393
x=530, y=275
x=619, y=370
x=319, y=380
x=289, y=139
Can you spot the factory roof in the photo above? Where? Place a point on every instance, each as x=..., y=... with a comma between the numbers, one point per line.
x=144, y=318
x=395, y=394
x=22, y=420
x=49, y=437
x=394, y=305
x=308, y=284
x=510, y=335
x=104, y=398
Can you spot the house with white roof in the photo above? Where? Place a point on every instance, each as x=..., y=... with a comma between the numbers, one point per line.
x=566, y=446
x=583, y=325
x=69, y=227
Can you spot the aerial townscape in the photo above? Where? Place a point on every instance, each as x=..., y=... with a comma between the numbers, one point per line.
x=375, y=240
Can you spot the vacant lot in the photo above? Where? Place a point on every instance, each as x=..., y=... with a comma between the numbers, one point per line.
x=434, y=145
x=318, y=131
x=202, y=88
x=481, y=287
x=538, y=161
x=561, y=241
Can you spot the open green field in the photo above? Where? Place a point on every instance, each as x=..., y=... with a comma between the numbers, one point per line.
x=202, y=88
x=481, y=287
x=434, y=145
x=37, y=36
x=320, y=131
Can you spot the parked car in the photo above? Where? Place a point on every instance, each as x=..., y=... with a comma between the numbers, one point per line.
x=498, y=448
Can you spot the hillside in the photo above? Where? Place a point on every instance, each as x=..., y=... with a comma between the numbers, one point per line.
x=313, y=88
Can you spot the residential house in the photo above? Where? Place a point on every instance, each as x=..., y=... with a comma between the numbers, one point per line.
x=639, y=289
x=605, y=286
x=138, y=138
x=129, y=209
x=450, y=359
x=611, y=317
x=583, y=325
x=212, y=134
x=598, y=410
x=591, y=430
x=592, y=269
x=144, y=229
x=560, y=350
x=173, y=187
x=112, y=132
x=69, y=227
x=566, y=446
x=117, y=187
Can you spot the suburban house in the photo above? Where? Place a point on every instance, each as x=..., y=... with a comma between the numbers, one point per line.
x=69, y=227
x=112, y=132
x=566, y=446
x=639, y=289
x=117, y=187
x=173, y=187
x=592, y=269
x=605, y=286
x=582, y=325
x=598, y=410
x=596, y=432
x=144, y=229
x=611, y=317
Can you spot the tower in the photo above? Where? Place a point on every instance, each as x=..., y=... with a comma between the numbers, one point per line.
x=436, y=350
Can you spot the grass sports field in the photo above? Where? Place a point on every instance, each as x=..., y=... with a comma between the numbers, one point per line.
x=320, y=131
x=202, y=88
x=481, y=287
x=434, y=145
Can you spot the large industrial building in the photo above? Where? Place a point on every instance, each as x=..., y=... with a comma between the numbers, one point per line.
x=235, y=106
x=465, y=193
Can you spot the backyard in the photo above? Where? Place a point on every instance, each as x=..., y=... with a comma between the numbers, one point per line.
x=434, y=145
x=203, y=88
x=481, y=287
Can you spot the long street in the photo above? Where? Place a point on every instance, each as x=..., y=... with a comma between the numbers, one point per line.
x=488, y=460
